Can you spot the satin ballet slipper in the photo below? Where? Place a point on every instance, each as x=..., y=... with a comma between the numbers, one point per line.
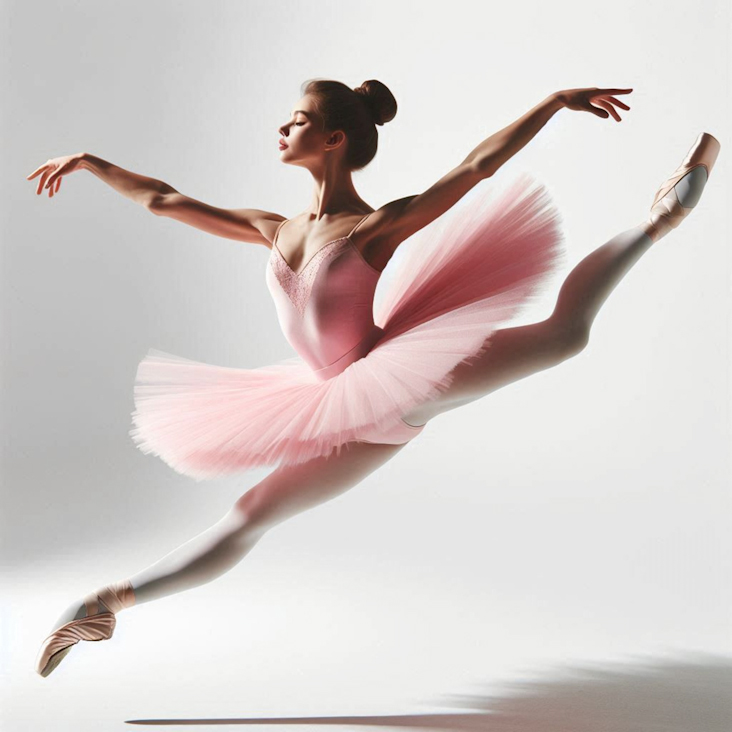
x=666, y=211
x=95, y=627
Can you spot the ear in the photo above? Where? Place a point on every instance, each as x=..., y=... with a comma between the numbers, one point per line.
x=335, y=140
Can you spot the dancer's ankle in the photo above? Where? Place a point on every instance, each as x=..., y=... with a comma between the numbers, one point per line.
x=112, y=598
x=120, y=595
x=676, y=204
x=650, y=230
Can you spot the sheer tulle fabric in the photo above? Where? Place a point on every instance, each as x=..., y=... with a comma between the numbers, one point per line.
x=449, y=288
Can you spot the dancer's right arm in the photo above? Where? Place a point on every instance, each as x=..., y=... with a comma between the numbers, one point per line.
x=243, y=224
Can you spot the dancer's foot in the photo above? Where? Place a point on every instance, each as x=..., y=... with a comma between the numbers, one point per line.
x=92, y=620
x=678, y=194
x=75, y=611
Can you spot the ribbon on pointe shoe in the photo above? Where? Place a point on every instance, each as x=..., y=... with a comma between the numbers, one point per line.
x=116, y=597
x=702, y=153
x=665, y=215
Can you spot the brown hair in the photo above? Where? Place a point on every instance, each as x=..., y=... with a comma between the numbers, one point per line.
x=356, y=112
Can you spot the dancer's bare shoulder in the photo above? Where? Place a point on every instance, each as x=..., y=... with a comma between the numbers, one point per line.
x=390, y=225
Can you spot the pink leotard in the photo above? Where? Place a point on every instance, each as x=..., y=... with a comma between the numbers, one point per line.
x=325, y=310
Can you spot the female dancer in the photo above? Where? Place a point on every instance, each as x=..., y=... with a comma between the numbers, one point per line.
x=437, y=327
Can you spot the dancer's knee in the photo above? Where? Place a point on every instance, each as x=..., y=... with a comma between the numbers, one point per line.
x=266, y=505
x=572, y=336
x=579, y=339
x=247, y=518
x=292, y=489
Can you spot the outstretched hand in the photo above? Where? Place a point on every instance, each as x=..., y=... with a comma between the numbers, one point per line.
x=52, y=171
x=583, y=100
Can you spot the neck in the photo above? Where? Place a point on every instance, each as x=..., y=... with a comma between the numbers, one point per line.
x=334, y=193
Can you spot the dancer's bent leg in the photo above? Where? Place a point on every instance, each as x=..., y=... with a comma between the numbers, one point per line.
x=285, y=492
x=515, y=353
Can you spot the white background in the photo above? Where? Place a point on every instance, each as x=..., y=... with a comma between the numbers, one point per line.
x=581, y=516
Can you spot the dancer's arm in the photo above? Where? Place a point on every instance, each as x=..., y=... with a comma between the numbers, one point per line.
x=396, y=221
x=494, y=151
x=387, y=227
x=240, y=224
x=251, y=225
x=245, y=224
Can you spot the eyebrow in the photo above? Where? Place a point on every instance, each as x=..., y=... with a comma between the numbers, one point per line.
x=302, y=111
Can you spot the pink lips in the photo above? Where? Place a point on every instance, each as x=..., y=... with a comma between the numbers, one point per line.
x=282, y=145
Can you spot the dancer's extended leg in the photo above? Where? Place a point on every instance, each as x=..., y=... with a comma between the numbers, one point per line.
x=283, y=493
x=515, y=353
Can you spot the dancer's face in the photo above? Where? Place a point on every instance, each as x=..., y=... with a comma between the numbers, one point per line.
x=306, y=141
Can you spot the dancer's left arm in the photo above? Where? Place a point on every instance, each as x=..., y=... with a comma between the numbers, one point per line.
x=396, y=221
x=492, y=153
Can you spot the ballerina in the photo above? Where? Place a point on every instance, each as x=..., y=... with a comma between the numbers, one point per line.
x=366, y=379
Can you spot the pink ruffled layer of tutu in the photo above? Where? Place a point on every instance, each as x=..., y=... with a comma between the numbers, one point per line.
x=449, y=288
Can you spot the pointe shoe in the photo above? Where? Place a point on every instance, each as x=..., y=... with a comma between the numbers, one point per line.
x=666, y=211
x=95, y=627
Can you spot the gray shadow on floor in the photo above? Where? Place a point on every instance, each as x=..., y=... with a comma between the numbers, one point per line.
x=691, y=693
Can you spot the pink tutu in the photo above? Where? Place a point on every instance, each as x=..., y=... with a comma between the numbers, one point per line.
x=448, y=291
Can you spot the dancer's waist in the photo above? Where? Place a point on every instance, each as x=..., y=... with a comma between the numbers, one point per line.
x=354, y=354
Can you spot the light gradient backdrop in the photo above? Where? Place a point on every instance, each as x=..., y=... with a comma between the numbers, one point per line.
x=582, y=514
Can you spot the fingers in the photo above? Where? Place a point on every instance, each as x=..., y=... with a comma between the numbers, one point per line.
x=609, y=107
x=603, y=98
x=615, y=91
x=56, y=175
x=618, y=102
x=36, y=171
x=595, y=110
x=42, y=180
x=50, y=179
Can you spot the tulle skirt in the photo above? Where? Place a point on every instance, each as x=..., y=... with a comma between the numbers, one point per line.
x=448, y=288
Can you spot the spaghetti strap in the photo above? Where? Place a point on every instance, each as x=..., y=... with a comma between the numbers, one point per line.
x=353, y=230
x=277, y=231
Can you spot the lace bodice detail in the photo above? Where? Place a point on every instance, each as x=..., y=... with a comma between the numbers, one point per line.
x=326, y=308
x=298, y=285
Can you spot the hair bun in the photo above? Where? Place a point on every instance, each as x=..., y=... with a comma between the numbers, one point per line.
x=379, y=100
